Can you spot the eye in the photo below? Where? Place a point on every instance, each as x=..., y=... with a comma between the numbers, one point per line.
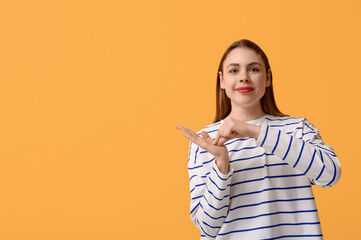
x=233, y=70
x=254, y=69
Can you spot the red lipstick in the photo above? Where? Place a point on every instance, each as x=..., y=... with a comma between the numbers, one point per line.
x=244, y=89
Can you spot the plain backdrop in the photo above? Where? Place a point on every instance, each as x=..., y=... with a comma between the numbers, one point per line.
x=91, y=92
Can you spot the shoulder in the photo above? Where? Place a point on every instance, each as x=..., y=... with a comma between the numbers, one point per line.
x=289, y=124
x=283, y=120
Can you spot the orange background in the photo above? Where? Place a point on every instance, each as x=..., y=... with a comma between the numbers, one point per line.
x=91, y=92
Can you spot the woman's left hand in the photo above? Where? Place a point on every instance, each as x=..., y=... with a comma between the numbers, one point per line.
x=233, y=128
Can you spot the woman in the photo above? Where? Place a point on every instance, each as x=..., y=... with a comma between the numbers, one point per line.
x=251, y=170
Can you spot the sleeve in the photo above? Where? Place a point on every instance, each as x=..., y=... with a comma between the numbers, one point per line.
x=307, y=154
x=209, y=189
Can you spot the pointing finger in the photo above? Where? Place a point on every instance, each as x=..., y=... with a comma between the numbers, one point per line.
x=218, y=135
x=223, y=140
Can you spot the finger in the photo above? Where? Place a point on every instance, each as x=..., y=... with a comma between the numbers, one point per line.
x=224, y=132
x=218, y=134
x=206, y=137
x=194, y=137
x=184, y=129
x=188, y=133
x=223, y=140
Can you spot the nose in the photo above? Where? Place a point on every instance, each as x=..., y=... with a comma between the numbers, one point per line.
x=244, y=77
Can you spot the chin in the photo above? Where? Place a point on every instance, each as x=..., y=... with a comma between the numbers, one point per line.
x=245, y=104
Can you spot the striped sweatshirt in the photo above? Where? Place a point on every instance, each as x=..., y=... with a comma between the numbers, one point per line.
x=267, y=194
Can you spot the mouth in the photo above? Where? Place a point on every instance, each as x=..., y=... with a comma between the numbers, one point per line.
x=244, y=89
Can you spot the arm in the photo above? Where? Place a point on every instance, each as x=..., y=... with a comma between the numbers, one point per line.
x=308, y=154
x=209, y=190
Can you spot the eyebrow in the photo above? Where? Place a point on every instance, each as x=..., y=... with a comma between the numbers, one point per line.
x=236, y=64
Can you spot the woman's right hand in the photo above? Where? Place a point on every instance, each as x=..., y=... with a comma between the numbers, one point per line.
x=220, y=152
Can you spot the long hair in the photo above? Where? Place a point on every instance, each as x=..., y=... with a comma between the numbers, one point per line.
x=223, y=103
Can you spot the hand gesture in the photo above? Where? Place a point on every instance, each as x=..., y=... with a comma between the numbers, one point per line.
x=233, y=128
x=205, y=142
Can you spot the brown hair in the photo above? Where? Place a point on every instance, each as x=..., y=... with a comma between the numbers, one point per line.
x=223, y=103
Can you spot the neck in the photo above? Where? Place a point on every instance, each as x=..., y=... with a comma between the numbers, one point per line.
x=245, y=114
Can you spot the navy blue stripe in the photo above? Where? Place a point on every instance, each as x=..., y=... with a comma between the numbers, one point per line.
x=194, y=208
x=205, y=231
x=299, y=156
x=288, y=149
x=199, y=204
x=217, y=185
x=194, y=167
x=260, y=179
x=293, y=236
x=219, y=199
x=206, y=175
x=334, y=171
x=210, y=215
x=192, y=177
x=247, y=158
x=303, y=134
x=189, y=154
x=269, y=189
x=282, y=119
x=323, y=168
x=210, y=225
x=278, y=138
x=208, y=161
x=214, y=124
x=195, y=156
x=237, y=150
x=271, y=226
x=278, y=200
x=264, y=139
x=253, y=168
x=313, y=158
x=199, y=133
x=282, y=125
x=270, y=214
x=225, y=206
x=321, y=156
x=194, y=198
x=224, y=179
x=309, y=126
x=332, y=153
x=238, y=139
x=198, y=185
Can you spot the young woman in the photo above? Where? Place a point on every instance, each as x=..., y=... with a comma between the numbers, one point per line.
x=251, y=171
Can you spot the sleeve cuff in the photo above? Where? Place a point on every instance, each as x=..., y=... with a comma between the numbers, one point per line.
x=220, y=175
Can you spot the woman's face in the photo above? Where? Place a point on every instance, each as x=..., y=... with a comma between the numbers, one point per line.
x=244, y=77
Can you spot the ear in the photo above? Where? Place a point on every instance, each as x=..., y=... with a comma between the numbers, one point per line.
x=221, y=80
x=268, y=78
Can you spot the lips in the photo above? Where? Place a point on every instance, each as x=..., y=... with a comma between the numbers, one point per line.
x=244, y=89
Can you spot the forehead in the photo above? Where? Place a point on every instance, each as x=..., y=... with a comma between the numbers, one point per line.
x=242, y=56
